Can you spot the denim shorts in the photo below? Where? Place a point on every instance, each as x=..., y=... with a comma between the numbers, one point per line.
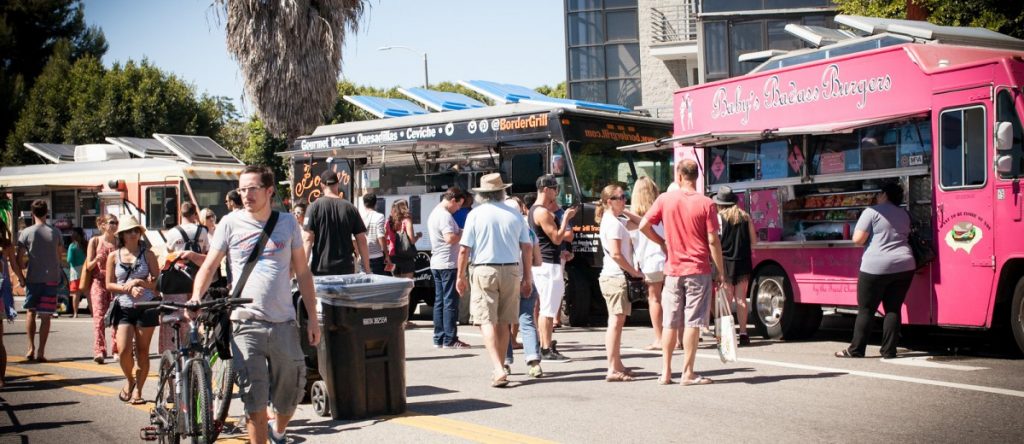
x=41, y=298
x=269, y=365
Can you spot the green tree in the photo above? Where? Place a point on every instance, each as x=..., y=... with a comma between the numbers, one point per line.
x=1005, y=16
x=30, y=31
x=81, y=102
x=456, y=88
x=557, y=91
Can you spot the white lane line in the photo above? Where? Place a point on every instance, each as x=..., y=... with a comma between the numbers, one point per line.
x=922, y=361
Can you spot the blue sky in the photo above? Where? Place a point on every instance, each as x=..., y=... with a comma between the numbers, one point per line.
x=519, y=42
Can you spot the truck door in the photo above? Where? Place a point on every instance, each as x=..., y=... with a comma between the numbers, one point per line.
x=521, y=166
x=964, y=235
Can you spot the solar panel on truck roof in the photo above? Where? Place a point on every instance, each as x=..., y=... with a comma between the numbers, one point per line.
x=194, y=149
x=143, y=147
x=54, y=152
x=508, y=93
x=973, y=36
x=442, y=100
x=384, y=107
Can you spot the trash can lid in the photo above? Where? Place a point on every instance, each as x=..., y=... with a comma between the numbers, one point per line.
x=363, y=290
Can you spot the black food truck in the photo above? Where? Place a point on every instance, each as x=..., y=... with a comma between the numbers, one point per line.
x=418, y=157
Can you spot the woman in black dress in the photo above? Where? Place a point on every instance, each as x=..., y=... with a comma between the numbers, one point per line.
x=738, y=236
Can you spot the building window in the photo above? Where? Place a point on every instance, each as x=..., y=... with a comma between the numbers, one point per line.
x=716, y=54
x=603, y=53
x=743, y=38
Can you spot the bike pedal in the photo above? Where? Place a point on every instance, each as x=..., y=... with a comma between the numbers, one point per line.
x=148, y=433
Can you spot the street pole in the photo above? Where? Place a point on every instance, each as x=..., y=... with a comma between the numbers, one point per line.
x=426, y=76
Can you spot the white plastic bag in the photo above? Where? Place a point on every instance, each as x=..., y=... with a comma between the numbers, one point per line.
x=725, y=327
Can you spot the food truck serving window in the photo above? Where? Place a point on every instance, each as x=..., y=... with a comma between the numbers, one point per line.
x=962, y=147
x=1006, y=113
x=876, y=147
x=769, y=159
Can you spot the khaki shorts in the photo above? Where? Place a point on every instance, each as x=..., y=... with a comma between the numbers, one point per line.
x=654, y=277
x=494, y=294
x=614, y=290
x=686, y=301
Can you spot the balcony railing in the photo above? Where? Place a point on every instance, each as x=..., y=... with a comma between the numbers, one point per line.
x=675, y=23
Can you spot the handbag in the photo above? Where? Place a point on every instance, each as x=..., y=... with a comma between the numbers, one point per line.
x=405, y=248
x=85, y=280
x=636, y=288
x=725, y=329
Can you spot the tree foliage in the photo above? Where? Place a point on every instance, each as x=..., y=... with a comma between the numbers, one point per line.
x=557, y=91
x=81, y=102
x=30, y=30
x=1005, y=16
x=289, y=53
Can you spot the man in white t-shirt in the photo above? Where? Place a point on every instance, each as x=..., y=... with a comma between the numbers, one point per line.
x=375, y=236
x=190, y=241
x=444, y=236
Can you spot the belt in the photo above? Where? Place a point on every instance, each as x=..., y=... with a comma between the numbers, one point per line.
x=498, y=265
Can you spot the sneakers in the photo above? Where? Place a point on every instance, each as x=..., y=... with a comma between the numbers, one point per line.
x=458, y=345
x=535, y=370
x=552, y=354
x=272, y=437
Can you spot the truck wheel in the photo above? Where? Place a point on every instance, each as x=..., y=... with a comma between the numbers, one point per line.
x=1017, y=315
x=318, y=397
x=775, y=314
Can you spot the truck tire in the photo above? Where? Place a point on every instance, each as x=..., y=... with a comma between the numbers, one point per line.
x=1017, y=315
x=775, y=314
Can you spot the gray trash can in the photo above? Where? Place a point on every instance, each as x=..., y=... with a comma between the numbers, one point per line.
x=362, y=348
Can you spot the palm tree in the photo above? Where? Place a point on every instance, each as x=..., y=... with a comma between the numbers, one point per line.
x=289, y=52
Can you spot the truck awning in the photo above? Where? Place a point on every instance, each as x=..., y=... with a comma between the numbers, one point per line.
x=722, y=138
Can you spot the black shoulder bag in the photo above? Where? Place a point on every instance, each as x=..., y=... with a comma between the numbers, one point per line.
x=920, y=245
x=221, y=321
x=175, y=280
x=636, y=287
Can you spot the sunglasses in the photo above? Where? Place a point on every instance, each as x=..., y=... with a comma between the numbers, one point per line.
x=620, y=197
x=113, y=223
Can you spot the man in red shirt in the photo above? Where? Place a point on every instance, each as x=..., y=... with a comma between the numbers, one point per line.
x=691, y=238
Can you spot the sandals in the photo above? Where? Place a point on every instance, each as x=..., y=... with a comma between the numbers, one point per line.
x=126, y=395
x=699, y=380
x=618, y=377
x=137, y=401
x=652, y=347
x=499, y=381
x=664, y=381
x=845, y=353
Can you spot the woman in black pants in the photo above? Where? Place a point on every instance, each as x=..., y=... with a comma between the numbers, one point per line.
x=886, y=270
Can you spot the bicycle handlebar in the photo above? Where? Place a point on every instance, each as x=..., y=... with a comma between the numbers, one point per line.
x=194, y=306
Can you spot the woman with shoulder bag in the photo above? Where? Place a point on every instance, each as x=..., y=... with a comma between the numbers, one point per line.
x=98, y=249
x=886, y=270
x=738, y=239
x=131, y=276
x=618, y=261
x=400, y=224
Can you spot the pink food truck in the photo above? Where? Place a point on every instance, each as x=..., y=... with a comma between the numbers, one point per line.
x=808, y=137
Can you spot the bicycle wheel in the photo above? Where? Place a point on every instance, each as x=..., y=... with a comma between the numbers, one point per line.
x=201, y=411
x=165, y=411
x=222, y=386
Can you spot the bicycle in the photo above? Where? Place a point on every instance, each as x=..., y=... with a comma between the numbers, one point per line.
x=195, y=385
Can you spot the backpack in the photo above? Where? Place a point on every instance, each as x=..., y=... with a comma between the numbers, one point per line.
x=174, y=279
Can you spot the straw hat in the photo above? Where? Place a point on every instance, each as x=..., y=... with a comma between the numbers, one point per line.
x=725, y=196
x=491, y=182
x=127, y=222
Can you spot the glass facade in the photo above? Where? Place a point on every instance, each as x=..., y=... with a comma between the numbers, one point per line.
x=727, y=36
x=603, y=54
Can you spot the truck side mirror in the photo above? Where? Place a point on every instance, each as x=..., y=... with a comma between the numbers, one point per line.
x=1004, y=165
x=1004, y=136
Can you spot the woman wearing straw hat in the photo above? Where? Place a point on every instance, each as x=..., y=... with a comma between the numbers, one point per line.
x=738, y=236
x=131, y=277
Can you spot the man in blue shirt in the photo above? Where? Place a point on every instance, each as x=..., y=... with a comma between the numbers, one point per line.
x=496, y=244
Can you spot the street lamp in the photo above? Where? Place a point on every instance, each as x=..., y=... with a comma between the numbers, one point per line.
x=426, y=81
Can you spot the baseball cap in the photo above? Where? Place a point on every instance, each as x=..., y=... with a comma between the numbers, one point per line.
x=329, y=178
x=546, y=181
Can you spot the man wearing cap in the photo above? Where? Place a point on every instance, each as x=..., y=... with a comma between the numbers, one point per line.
x=496, y=244
x=43, y=246
x=331, y=222
x=691, y=236
x=552, y=234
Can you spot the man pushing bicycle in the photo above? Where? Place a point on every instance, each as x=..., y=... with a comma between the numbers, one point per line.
x=265, y=346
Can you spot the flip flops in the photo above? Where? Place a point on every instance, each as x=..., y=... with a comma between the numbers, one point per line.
x=699, y=380
x=137, y=401
x=499, y=381
x=845, y=353
x=619, y=377
x=652, y=347
x=126, y=395
x=664, y=381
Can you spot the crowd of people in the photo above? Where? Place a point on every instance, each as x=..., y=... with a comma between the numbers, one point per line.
x=505, y=254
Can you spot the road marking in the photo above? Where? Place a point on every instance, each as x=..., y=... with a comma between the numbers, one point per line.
x=59, y=381
x=922, y=361
x=462, y=429
x=113, y=369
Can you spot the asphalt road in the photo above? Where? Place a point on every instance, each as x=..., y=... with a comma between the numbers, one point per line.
x=944, y=389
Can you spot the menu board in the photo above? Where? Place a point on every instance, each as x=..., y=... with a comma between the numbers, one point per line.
x=832, y=163
x=774, y=163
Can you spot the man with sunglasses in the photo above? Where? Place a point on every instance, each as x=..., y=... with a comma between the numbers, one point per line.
x=265, y=345
x=549, y=277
